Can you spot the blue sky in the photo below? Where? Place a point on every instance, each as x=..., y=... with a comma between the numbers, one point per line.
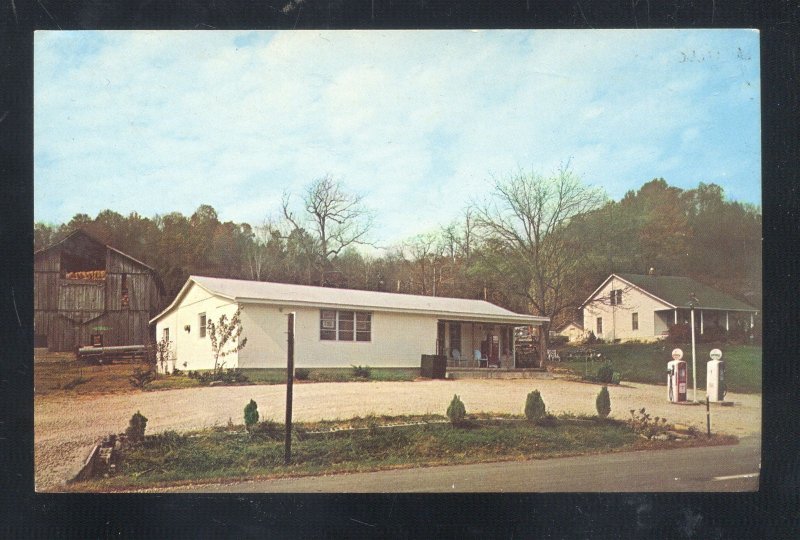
x=418, y=122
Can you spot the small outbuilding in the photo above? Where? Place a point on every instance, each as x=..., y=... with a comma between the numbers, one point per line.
x=337, y=328
x=642, y=307
x=572, y=330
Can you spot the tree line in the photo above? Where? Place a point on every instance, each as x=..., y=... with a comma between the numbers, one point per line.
x=537, y=243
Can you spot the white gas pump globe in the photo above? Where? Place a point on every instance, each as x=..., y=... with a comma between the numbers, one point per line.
x=677, y=354
x=715, y=354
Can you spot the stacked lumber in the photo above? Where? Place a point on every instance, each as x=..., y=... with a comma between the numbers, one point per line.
x=93, y=275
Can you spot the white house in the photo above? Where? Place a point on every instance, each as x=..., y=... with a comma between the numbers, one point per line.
x=641, y=307
x=337, y=327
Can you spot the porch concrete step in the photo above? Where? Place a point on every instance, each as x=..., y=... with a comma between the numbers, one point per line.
x=495, y=373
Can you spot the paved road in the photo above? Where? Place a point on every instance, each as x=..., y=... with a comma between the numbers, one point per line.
x=713, y=468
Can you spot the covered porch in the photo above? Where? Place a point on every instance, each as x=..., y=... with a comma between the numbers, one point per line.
x=481, y=345
x=704, y=319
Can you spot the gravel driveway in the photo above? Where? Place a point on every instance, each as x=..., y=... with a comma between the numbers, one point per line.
x=65, y=427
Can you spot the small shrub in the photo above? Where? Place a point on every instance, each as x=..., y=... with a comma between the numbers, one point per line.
x=603, y=403
x=140, y=378
x=176, y=372
x=456, y=411
x=591, y=339
x=250, y=415
x=605, y=373
x=645, y=425
x=136, y=427
x=615, y=378
x=302, y=374
x=679, y=333
x=361, y=372
x=534, y=407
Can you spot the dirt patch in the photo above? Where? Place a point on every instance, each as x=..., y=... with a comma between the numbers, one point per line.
x=66, y=425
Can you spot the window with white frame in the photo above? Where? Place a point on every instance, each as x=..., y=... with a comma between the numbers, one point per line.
x=616, y=297
x=599, y=325
x=345, y=325
x=634, y=321
x=202, y=325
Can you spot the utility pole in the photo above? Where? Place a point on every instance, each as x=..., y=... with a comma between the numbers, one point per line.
x=287, y=456
x=692, y=303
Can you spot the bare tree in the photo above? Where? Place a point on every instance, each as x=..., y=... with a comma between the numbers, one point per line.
x=524, y=227
x=338, y=218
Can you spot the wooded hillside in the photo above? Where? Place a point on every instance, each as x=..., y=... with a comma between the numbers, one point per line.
x=695, y=233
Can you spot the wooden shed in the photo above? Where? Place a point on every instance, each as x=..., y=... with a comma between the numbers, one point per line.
x=86, y=292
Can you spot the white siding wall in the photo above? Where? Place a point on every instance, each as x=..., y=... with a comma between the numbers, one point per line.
x=190, y=348
x=617, y=320
x=398, y=340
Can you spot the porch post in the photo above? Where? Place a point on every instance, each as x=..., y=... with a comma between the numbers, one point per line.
x=701, y=322
x=752, y=321
x=513, y=347
x=727, y=322
x=542, y=351
x=676, y=316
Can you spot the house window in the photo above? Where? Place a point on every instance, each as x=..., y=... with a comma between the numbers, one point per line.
x=599, y=325
x=202, y=325
x=327, y=325
x=616, y=297
x=346, y=320
x=634, y=321
x=124, y=299
x=345, y=325
x=363, y=326
x=165, y=335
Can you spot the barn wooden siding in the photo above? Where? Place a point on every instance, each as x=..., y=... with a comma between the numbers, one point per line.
x=68, y=311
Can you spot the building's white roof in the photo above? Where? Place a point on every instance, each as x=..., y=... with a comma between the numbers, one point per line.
x=263, y=292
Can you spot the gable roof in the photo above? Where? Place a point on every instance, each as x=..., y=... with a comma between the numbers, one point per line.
x=92, y=238
x=677, y=290
x=264, y=292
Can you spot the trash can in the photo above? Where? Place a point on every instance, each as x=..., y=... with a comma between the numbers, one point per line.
x=434, y=366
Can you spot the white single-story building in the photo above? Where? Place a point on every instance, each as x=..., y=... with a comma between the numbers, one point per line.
x=572, y=330
x=642, y=307
x=337, y=328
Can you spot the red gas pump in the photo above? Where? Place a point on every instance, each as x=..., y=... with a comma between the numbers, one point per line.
x=676, y=380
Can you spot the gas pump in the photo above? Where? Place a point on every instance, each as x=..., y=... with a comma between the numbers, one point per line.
x=715, y=377
x=676, y=381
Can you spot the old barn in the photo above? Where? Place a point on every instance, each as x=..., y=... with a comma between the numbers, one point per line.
x=86, y=292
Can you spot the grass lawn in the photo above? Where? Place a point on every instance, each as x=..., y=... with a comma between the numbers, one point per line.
x=647, y=363
x=229, y=453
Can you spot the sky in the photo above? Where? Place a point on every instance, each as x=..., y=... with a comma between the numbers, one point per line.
x=419, y=123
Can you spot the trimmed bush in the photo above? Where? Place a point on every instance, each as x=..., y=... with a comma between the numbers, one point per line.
x=136, y=427
x=605, y=373
x=615, y=378
x=603, y=403
x=456, y=411
x=140, y=378
x=302, y=374
x=534, y=407
x=361, y=372
x=250, y=415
